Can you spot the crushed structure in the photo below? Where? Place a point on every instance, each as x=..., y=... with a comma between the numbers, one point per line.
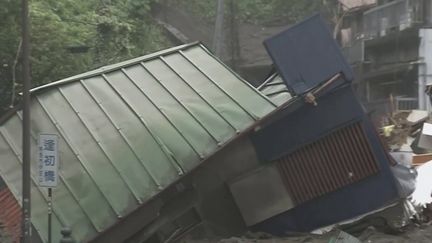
x=128, y=133
x=175, y=145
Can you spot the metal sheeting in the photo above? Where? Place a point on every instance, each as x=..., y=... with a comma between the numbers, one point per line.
x=333, y=162
x=307, y=55
x=127, y=131
x=275, y=88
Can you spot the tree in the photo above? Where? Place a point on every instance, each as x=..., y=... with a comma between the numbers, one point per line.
x=70, y=37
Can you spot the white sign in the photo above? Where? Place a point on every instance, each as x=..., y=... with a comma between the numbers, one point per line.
x=48, y=160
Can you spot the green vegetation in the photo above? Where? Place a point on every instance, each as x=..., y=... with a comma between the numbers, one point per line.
x=70, y=37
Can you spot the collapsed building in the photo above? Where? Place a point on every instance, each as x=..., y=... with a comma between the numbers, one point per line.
x=175, y=145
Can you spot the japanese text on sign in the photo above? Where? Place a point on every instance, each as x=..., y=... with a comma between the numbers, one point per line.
x=48, y=160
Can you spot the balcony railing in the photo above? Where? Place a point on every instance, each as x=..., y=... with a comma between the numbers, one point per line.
x=397, y=15
x=406, y=103
x=385, y=106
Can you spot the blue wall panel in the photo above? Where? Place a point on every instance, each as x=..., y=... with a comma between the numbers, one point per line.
x=306, y=125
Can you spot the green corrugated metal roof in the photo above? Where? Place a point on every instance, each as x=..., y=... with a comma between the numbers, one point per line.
x=275, y=89
x=127, y=131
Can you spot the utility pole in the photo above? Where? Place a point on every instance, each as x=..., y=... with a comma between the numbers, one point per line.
x=234, y=34
x=26, y=215
x=218, y=37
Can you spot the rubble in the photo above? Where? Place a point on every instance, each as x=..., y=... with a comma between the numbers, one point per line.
x=371, y=234
x=398, y=131
x=403, y=130
x=408, y=135
x=417, y=116
x=419, y=159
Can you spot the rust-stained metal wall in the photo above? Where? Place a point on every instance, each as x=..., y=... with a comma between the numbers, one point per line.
x=10, y=215
x=332, y=162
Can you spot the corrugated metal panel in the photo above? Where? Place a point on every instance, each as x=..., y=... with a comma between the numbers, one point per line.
x=10, y=215
x=127, y=131
x=339, y=159
x=275, y=88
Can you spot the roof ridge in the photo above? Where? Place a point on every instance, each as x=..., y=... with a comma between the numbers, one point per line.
x=115, y=66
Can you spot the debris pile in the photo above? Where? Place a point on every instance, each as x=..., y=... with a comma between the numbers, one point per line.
x=408, y=135
x=409, y=138
x=412, y=233
x=402, y=128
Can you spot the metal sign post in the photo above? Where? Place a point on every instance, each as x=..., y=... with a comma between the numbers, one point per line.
x=49, y=214
x=48, y=170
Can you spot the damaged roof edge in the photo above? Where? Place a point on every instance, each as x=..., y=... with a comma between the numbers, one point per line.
x=276, y=89
x=95, y=72
x=111, y=67
x=154, y=55
x=238, y=76
x=268, y=80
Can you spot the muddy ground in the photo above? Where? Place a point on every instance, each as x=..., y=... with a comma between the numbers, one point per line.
x=409, y=234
